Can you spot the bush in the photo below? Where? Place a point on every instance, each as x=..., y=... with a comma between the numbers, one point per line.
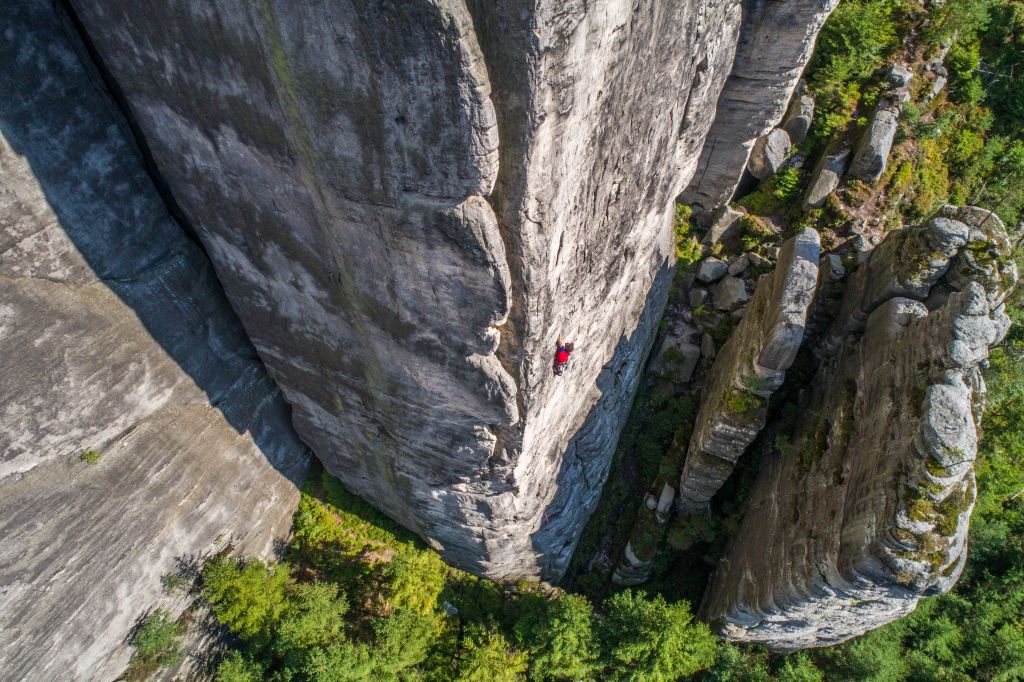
x=416, y=579
x=90, y=456
x=156, y=645
x=754, y=232
x=688, y=250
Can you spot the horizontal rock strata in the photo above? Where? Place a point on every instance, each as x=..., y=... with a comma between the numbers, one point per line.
x=115, y=337
x=863, y=507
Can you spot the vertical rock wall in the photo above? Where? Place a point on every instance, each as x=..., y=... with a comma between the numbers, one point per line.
x=408, y=202
x=749, y=369
x=115, y=337
x=865, y=506
x=776, y=40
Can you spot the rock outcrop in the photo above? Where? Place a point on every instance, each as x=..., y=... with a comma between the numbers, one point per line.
x=872, y=153
x=864, y=506
x=748, y=369
x=776, y=40
x=115, y=338
x=408, y=202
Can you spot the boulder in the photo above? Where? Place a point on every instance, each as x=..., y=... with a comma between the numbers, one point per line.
x=872, y=153
x=739, y=265
x=707, y=346
x=698, y=297
x=729, y=293
x=799, y=116
x=724, y=225
x=676, y=361
x=712, y=269
x=826, y=179
x=769, y=153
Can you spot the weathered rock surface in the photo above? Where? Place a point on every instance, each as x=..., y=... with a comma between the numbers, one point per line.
x=724, y=225
x=401, y=268
x=826, y=179
x=776, y=41
x=866, y=507
x=769, y=153
x=800, y=115
x=729, y=293
x=115, y=337
x=873, y=149
x=748, y=369
x=712, y=269
x=872, y=153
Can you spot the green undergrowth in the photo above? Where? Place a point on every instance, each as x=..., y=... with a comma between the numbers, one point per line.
x=358, y=598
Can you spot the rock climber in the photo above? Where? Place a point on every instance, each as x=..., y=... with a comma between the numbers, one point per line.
x=562, y=354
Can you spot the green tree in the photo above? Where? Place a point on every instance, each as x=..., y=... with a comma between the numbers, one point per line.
x=799, y=668
x=313, y=616
x=486, y=656
x=561, y=639
x=649, y=640
x=237, y=668
x=403, y=640
x=340, y=662
x=733, y=664
x=246, y=596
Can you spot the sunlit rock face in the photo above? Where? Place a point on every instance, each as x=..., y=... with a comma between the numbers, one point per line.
x=863, y=506
x=116, y=338
x=408, y=202
x=776, y=40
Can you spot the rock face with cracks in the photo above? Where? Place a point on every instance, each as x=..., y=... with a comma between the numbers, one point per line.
x=407, y=203
x=115, y=337
x=776, y=40
x=749, y=368
x=864, y=506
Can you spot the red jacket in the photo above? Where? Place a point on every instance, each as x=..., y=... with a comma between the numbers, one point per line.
x=562, y=356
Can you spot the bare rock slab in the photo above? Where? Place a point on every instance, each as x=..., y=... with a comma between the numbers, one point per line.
x=115, y=337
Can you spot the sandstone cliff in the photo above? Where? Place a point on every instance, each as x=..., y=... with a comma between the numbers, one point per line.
x=115, y=337
x=776, y=40
x=407, y=204
x=862, y=505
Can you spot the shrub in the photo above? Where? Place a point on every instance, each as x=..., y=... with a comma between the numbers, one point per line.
x=688, y=250
x=90, y=456
x=754, y=232
x=156, y=645
x=416, y=579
